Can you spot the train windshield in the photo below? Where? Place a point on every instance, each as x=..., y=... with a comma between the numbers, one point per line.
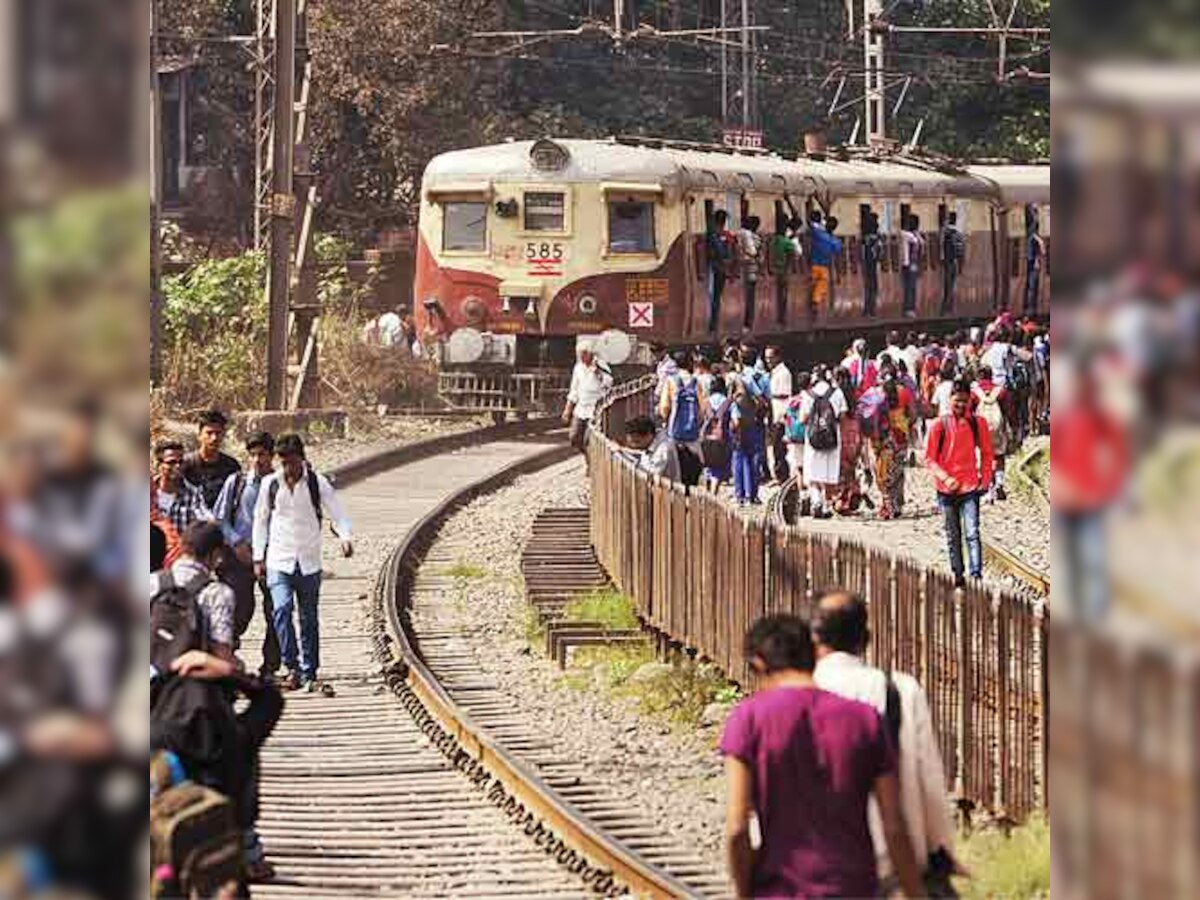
x=464, y=226
x=631, y=226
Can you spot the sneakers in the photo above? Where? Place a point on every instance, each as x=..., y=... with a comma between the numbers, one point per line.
x=319, y=687
x=290, y=681
x=259, y=871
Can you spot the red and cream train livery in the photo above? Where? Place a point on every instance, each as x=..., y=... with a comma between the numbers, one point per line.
x=528, y=248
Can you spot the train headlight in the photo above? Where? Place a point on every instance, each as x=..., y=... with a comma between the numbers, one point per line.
x=587, y=305
x=473, y=310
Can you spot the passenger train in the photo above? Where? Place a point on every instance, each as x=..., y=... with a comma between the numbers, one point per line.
x=527, y=250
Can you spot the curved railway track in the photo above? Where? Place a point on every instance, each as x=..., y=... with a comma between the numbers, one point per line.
x=402, y=786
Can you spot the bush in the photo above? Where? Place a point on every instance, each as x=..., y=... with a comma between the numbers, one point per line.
x=215, y=339
x=1015, y=866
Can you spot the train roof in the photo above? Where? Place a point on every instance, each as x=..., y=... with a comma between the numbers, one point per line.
x=1017, y=184
x=678, y=168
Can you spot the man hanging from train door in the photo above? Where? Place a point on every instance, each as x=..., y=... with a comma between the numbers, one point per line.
x=720, y=250
x=1035, y=254
x=824, y=248
x=953, y=250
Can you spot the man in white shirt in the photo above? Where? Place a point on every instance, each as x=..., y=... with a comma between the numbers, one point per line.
x=892, y=351
x=781, y=395
x=841, y=631
x=287, y=552
x=590, y=381
x=389, y=328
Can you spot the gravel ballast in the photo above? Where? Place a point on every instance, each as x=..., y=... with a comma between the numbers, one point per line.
x=674, y=776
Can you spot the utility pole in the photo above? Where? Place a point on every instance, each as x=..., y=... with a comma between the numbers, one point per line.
x=282, y=204
x=745, y=65
x=156, y=164
x=873, y=73
x=724, y=67
x=618, y=19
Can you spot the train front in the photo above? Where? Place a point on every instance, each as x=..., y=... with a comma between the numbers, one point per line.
x=528, y=250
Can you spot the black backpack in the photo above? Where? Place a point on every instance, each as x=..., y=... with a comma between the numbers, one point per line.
x=1019, y=379
x=822, y=425
x=176, y=625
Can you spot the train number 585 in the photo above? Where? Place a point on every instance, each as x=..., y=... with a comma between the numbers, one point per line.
x=545, y=250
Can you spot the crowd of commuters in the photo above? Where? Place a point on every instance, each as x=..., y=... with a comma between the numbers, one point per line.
x=848, y=434
x=748, y=255
x=223, y=540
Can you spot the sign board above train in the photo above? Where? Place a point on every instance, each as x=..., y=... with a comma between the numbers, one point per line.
x=742, y=138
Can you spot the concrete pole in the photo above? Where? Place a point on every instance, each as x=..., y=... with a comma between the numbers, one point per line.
x=282, y=204
x=875, y=114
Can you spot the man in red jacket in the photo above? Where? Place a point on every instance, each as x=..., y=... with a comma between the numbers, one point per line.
x=959, y=454
x=1090, y=464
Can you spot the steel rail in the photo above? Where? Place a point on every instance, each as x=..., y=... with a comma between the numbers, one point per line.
x=605, y=864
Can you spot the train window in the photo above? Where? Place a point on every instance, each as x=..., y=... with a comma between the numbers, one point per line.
x=710, y=207
x=464, y=225
x=545, y=211
x=631, y=226
x=905, y=212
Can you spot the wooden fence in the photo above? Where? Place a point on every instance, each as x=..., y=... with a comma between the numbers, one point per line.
x=701, y=573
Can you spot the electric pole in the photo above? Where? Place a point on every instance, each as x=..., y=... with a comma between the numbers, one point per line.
x=724, y=67
x=745, y=65
x=282, y=204
x=156, y=164
x=874, y=74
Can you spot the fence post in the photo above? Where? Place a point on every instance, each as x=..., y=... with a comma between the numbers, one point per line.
x=965, y=752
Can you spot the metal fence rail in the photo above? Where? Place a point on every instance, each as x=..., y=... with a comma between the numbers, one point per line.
x=701, y=573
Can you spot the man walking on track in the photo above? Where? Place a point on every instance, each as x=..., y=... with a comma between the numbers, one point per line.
x=207, y=467
x=235, y=513
x=842, y=635
x=958, y=454
x=287, y=552
x=589, y=383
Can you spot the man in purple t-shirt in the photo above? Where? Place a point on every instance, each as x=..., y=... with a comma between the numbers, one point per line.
x=804, y=762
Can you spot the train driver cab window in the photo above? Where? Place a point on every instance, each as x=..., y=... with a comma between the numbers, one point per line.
x=631, y=226
x=464, y=225
x=545, y=211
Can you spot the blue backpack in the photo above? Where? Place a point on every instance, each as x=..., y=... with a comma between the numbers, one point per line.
x=685, y=417
x=795, y=429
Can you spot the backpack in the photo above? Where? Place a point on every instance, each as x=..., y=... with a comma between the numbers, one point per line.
x=822, y=425
x=1019, y=378
x=794, y=429
x=714, y=447
x=892, y=714
x=992, y=414
x=176, y=625
x=685, y=417
x=314, y=494
x=239, y=488
x=868, y=410
x=195, y=844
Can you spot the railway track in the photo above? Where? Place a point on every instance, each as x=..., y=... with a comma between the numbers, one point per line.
x=403, y=785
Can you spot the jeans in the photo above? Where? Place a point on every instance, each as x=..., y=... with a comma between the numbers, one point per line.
x=750, y=292
x=949, y=279
x=1033, y=288
x=910, y=289
x=746, y=464
x=871, y=288
x=1083, y=539
x=961, y=512
x=716, y=287
x=288, y=588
